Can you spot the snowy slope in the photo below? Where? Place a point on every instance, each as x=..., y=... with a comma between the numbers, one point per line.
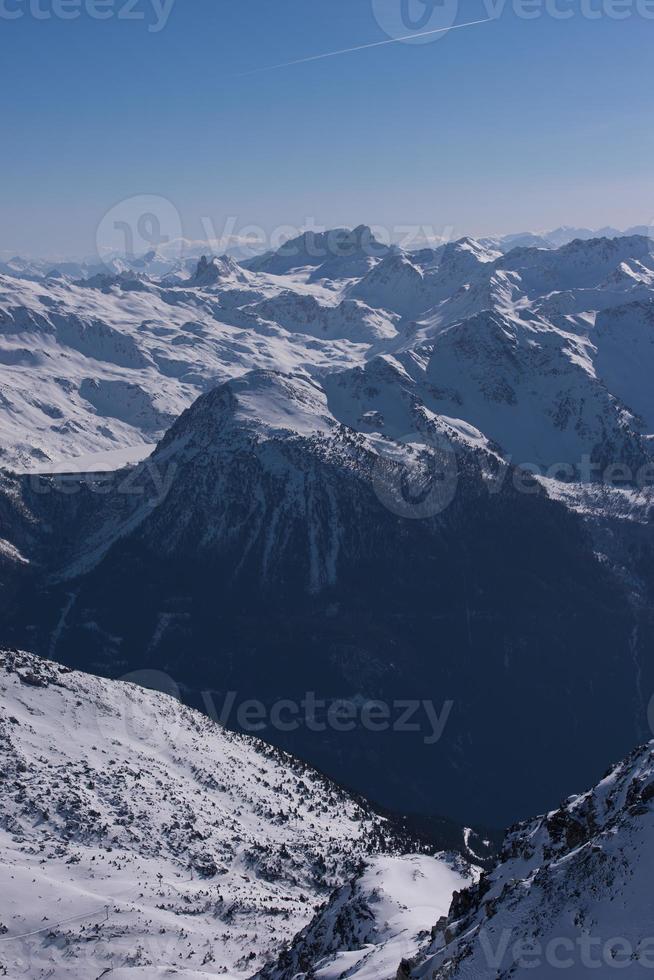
x=579, y=264
x=545, y=352
x=379, y=918
x=571, y=894
x=102, y=366
x=398, y=282
x=137, y=836
x=533, y=390
x=530, y=390
x=350, y=319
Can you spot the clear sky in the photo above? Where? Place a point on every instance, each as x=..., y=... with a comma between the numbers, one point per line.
x=514, y=124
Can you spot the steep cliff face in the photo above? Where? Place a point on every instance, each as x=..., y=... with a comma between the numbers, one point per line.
x=571, y=891
x=273, y=553
x=376, y=920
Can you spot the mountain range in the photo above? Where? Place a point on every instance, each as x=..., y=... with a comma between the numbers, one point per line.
x=365, y=473
x=177, y=257
x=326, y=561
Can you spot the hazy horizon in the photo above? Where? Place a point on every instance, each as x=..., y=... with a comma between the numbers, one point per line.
x=507, y=125
x=404, y=235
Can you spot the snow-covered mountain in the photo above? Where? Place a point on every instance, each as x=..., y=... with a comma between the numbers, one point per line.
x=398, y=283
x=177, y=258
x=105, y=364
x=218, y=271
x=571, y=893
x=317, y=483
x=562, y=236
x=172, y=257
x=375, y=921
x=541, y=396
x=349, y=320
x=340, y=253
x=108, y=364
x=577, y=265
x=270, y=547
x=305, y=408
x=137, y=837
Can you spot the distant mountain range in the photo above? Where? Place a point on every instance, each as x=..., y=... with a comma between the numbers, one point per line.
x=178, y=257
x=107, y=363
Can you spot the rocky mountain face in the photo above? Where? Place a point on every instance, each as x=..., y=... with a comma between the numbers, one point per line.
x=387, y=510
x=137, y=837
x=375, y=921
x=570, y=892
x=267, y=550
x=377, y=474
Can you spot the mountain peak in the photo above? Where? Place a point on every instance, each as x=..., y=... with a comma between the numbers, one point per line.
x=328, y=251
x=262, y=403
x=213, y=269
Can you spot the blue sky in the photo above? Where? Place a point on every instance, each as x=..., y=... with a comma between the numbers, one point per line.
x=519, y=123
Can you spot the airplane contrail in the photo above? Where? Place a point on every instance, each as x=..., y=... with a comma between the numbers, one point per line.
x=362, y=47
